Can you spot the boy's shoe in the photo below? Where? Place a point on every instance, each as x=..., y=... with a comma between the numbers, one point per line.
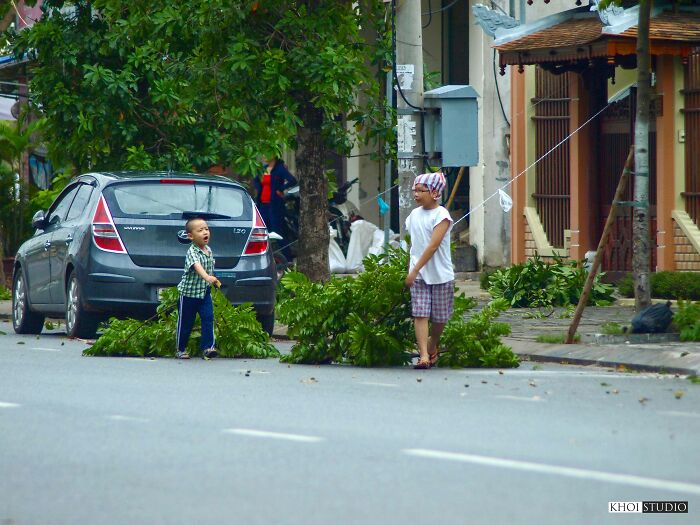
x=209, y=353
x=182, y=355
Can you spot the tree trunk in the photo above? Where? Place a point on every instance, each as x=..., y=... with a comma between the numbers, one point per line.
x=312, y=259
x=3, y=277
x=640, y=227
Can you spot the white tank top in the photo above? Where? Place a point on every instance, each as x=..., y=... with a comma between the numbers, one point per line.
x=420, y=225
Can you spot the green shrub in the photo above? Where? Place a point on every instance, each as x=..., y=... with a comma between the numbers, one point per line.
x=484, y=278
x=5, y=294
x=366, y=320
x=687, y=319
x=237, y=332
x=625, y=286
x=666, y=285
x=536, y=283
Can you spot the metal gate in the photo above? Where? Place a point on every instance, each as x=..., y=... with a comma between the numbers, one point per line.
x=617, y=130
x=692, y=136
x=552, y=180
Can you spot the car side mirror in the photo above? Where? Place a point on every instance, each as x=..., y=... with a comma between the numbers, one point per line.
x=39, y=220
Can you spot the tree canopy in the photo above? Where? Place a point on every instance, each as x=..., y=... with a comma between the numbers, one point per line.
x=156, y=84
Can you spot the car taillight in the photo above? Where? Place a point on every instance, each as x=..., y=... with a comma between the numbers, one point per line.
x=104, y=233
x=258, y=240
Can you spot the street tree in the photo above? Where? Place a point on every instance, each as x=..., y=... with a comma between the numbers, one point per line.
x=194, y=83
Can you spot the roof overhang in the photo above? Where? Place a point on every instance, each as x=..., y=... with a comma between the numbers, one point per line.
x=583, y=37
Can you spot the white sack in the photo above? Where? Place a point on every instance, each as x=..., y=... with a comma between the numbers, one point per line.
x=377, y=246
x=361, y=235
x=336, y=259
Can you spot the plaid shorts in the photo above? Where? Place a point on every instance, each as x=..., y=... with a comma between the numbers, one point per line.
x=432, y=300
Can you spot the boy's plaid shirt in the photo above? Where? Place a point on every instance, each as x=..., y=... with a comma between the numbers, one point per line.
x=191, y=284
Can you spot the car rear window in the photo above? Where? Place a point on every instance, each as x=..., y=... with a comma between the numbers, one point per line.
x=169, y=201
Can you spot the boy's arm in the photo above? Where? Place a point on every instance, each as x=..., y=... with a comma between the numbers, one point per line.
x=204, y=275
x=435, y=239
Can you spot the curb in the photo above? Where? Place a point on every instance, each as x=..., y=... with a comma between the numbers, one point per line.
x=609, y=364
x=642, y=359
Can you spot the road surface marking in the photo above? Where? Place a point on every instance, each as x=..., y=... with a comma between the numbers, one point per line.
x=520, y=398
x=46, y=349
x=585, y=474
x=4, y=404
x=680, y=414
x=119, y=417
x=272, y=435
x=370, y=383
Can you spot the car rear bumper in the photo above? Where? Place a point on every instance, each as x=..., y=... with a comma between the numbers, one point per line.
x=116, y=286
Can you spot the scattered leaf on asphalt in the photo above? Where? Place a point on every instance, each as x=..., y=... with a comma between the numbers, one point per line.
x=309, y=381
x=683, y=354
x=2, y=333
x=419, y=379
x=644, y=400
x=616, y=391
x=500, y=372
x=531, y=383
x=621, y=368
x=678, y=394
x=20, y=342
x=466, y=386
x=485, y=382
x=604, y=384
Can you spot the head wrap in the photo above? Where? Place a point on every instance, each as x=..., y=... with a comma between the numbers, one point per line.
x=433, y=181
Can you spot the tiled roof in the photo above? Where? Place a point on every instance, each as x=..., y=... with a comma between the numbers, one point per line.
x=683, y=27
x=678, y=27
x=575, y=32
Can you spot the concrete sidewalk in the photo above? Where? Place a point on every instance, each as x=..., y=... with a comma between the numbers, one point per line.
x=631, y=352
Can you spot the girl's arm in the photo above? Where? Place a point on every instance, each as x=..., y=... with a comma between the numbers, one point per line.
x=435, y=239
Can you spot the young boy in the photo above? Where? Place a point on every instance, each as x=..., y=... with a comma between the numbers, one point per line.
x=431, y=275
x=195, y=291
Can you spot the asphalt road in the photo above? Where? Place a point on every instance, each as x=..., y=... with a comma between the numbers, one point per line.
x=134, y=441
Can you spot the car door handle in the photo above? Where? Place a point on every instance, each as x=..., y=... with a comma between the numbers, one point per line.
x=69, y=239
x=47, y=245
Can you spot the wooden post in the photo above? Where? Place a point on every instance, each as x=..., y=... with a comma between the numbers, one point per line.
x=601, y=246
x=454, y=188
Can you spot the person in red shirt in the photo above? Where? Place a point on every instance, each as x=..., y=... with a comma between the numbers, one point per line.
x=270, y=188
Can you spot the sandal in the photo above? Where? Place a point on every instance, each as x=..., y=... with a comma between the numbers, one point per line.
x=432, y=358
x=422, y=365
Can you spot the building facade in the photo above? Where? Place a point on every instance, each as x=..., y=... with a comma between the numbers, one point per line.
x=573, y=102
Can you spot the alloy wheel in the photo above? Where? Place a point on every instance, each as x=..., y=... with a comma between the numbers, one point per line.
x=20, y=300
x=72, y=305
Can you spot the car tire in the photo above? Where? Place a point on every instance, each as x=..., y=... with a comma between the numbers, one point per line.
x=79, y=323
x=267, y=322
x=24, y=321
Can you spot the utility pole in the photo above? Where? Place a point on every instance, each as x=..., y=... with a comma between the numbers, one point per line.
x=641, y=254
x=408, y=78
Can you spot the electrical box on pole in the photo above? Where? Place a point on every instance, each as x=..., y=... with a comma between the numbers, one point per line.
x=451, y=125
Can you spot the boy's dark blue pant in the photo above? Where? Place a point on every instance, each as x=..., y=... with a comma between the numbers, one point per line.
x=187, y=309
